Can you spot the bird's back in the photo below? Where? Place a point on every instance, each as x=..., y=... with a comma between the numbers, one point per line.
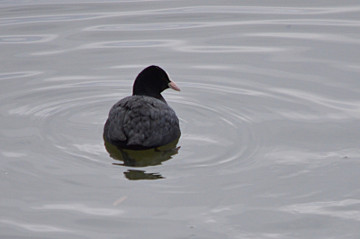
x=140, y=122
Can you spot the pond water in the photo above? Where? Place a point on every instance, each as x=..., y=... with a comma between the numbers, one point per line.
x=269, y=112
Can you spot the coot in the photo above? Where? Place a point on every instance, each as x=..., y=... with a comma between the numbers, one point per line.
x=144, y=120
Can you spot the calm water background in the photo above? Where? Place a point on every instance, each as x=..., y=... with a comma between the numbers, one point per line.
x=269, y=111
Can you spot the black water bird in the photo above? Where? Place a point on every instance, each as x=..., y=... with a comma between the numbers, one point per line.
x=144, y=120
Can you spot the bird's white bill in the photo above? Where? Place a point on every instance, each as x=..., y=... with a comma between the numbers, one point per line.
x=173, y=86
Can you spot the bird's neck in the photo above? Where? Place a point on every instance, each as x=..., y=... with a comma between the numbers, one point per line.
x=148, y=93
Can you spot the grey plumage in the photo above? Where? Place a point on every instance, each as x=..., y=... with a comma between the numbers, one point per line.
x=140, y=122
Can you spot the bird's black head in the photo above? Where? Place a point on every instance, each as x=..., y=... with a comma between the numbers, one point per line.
x=152, y=81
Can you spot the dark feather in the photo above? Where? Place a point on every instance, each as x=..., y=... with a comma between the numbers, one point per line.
x=140, y=122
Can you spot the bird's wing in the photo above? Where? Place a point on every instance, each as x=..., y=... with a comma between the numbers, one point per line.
x=141, y=120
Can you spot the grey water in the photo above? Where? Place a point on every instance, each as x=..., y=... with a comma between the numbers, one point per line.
x=269, y=112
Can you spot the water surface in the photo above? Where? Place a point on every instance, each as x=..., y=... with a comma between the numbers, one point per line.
x=269, y=112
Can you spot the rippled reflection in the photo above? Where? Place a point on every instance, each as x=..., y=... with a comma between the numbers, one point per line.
x=82, y=208
x=345, y=209
x=132, y=43
x=142, y=158
x=26, y=39
x=15, y=75
x=269, y=112
x=33, y=227
x=133, y=174
x=49, y=18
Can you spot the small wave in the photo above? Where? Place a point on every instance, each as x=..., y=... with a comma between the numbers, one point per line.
x=26, y=39
x=344, y=209
x=17, y=75
x=132, y=43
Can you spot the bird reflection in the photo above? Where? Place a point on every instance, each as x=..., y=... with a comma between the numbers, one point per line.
x=141, y=175
x=142, y=158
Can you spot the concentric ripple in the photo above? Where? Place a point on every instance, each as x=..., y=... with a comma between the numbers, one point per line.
x=218, y=121
x=68, y=114
x=214, y=133
x=65, y=114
